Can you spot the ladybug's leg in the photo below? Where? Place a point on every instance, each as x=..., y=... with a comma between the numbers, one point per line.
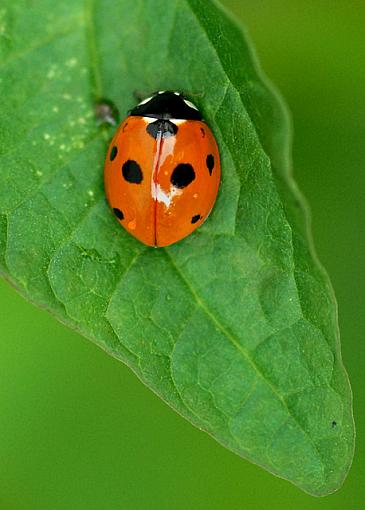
x=106, y=112
x=139, y=95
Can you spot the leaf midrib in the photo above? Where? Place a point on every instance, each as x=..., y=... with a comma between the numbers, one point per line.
x=243, y=352
x=91, y=37
x=89, y=9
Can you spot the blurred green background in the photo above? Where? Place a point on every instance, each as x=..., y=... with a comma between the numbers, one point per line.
x=79, y=431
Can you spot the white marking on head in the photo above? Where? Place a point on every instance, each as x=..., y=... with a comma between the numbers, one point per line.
x=178, y=122
x=190, y=104
x=177, y=93
x=161, y=91
x=145, y=101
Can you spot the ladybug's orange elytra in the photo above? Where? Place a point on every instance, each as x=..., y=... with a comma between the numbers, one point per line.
x=162, y=170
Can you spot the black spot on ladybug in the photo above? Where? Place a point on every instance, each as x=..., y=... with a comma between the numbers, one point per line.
x=162, y=128
x=132, y=172
x=334, y=423
x=196, y=218
x=113, y=153
x=203, y=132
x=182, y=175
x=118, y=213
x=210, y=163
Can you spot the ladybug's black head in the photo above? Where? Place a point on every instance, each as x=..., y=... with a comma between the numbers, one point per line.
x=167, y=105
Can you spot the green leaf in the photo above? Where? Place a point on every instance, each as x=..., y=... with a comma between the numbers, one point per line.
x=236, y=326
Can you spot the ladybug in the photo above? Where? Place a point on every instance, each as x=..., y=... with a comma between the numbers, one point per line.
x=162, y=170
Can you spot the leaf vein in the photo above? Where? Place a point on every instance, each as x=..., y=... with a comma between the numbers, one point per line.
x=77, y=22
x=244, y=352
